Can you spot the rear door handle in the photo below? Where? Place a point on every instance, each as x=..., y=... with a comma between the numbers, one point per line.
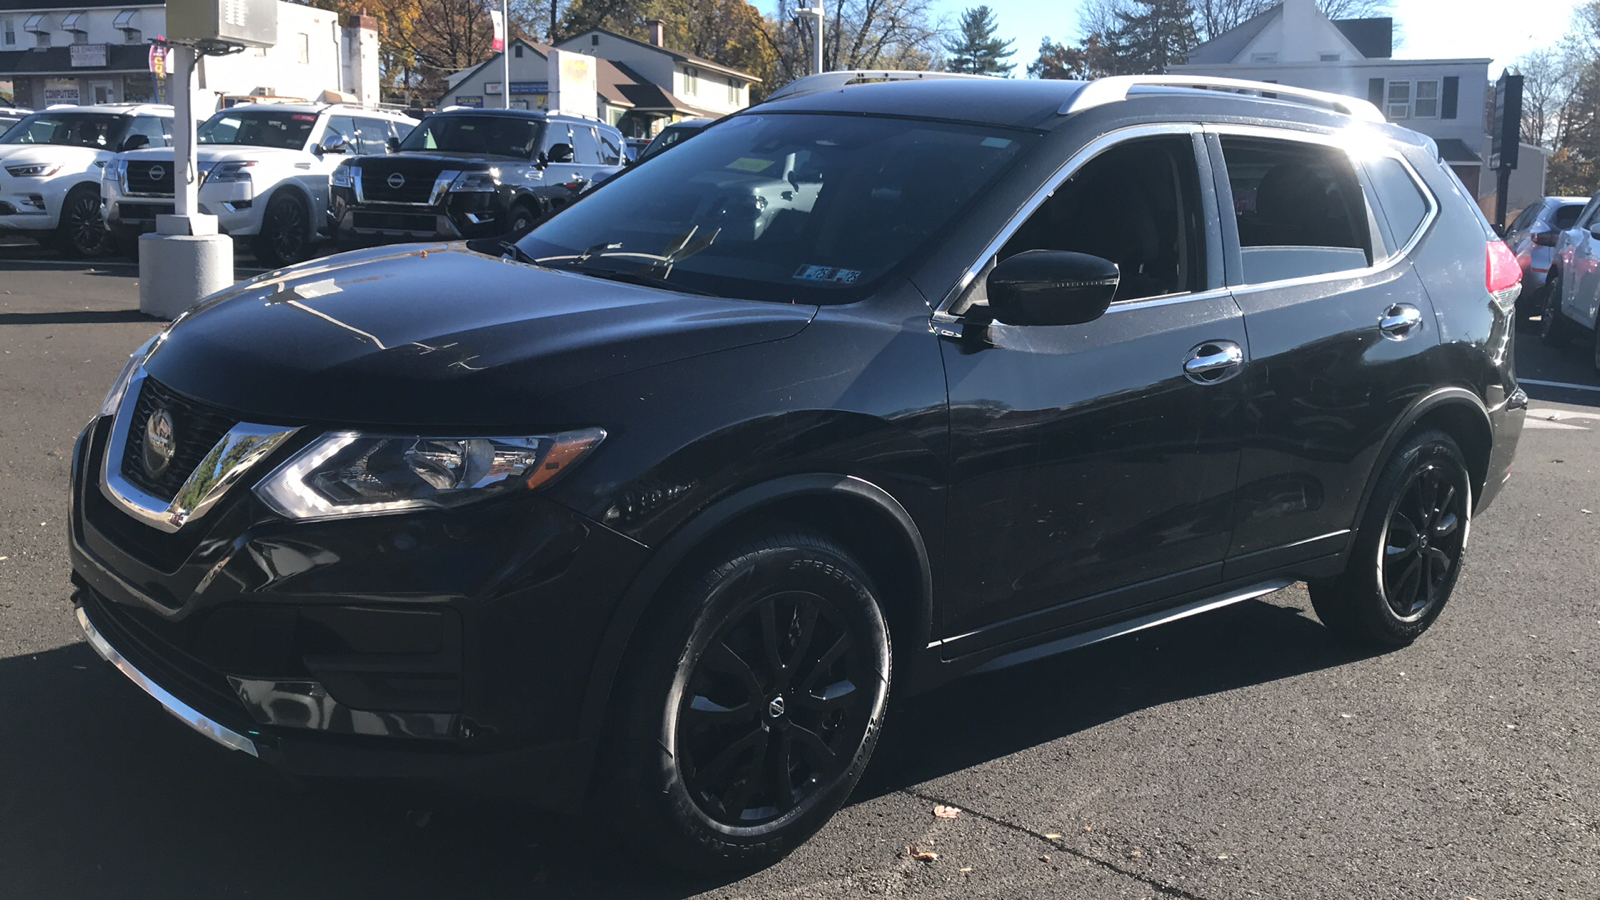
x=1213, y=362
x=1400, y=321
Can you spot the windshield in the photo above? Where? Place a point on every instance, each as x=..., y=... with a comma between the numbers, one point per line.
x=491, y=135
x=811, y=208
x=283, y=130
x=97, y=131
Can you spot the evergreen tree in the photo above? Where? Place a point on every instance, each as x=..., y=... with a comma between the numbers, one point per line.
x=977, y=51
x=1151, y=36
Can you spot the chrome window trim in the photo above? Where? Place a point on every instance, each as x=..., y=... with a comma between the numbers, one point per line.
x=1381, y=147
x=942, y=314
x=203, y=487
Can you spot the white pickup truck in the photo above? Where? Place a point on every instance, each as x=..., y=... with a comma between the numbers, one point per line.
x=263, y=173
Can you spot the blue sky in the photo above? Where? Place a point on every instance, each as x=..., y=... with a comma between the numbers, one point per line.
x=1428, y=29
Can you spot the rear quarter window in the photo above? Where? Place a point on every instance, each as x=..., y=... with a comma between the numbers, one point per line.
x=1299, y=208
x=1400, y=198
x=1566, y=217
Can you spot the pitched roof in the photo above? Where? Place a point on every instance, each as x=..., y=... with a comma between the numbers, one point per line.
x=1226, y=47
x=616, y=84
x=677, y=55
x=1373, y=37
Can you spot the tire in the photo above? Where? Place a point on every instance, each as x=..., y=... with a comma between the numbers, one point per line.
x=724, y=696
x=521, y=220
x=1595, y=336
x=82, y=231
x=1400, y=574
x=285, y=228
x=1554, y=329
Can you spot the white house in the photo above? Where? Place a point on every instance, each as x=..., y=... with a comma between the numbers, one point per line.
x=94, y=51
x=641, y=87
x=1294, y=43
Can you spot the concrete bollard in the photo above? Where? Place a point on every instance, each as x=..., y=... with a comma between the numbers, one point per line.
x=177, y=270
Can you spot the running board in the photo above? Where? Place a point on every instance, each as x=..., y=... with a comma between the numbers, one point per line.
x=1162, y=617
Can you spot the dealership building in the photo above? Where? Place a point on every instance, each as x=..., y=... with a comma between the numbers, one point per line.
x=99, y=51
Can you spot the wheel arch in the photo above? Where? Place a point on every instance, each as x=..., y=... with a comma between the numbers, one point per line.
x=1457, y=412
x=873, y=525
x=289, y=187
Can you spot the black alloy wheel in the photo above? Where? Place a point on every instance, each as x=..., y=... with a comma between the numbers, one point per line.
x=283, y=241
x=775, y=707
x=749, y=707
x=1423, y=541
x=522, y=220
x=83, y=228
x=1554, y=331
x=1407, y=554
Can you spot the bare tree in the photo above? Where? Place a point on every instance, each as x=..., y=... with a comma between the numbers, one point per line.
x=859, y=34
x=1549, y=79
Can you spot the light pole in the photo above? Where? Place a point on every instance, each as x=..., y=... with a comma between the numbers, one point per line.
x=815, y=12
x=505, y=52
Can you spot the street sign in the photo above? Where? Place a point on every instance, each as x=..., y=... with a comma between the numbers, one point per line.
x=1506, y=136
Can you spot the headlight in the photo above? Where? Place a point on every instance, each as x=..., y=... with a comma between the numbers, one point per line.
x=341, y=176
x=120, y=386
x=476, y=182
x=346, y=474
x=114, y=169
x=230, y=171
x=34, y=170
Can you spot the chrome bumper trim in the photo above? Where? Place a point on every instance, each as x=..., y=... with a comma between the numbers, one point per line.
x=223, y=735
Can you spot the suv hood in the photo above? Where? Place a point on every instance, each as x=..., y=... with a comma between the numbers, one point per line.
x=436, y=336
x=214, y=153
x=71, y=158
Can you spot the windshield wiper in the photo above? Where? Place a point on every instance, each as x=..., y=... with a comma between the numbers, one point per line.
x=517, y=253
x=624, y=275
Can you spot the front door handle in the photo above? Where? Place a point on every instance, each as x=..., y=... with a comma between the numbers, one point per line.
x=1400, y=321
x=1213, y=362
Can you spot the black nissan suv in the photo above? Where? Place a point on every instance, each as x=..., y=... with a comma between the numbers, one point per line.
x=862, y=389
x=468, y=173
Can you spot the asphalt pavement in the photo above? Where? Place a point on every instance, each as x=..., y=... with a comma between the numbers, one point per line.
x=1242, y=754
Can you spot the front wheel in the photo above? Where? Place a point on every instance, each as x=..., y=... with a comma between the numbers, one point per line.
x=284, y=239
x=1408, y=551
x=82, y=231
x=521, y=221
x=748, y=715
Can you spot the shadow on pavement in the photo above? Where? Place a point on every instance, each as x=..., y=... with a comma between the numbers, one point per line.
x=76, y=317
x=102, y=795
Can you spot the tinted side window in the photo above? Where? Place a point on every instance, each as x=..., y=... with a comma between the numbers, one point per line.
x=610, y=150
x=1521, y=222
x=398, y=130
x=150, y=127
x=556, y=133
x=374, y=134
x=1566, y=216
x=1401, y=200
x=345, y=127
x=1587, y=218
x=585, y=149
x=1299, y=207
x=1138, y=205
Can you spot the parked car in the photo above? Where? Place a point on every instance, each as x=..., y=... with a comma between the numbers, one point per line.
x=1532, y=237
x=652, y=510
x=264, y=172
x=632, y=147
x=672, y=135
x=467, y=173
x=1571, y=304
x=10, y=116
x=52, y=160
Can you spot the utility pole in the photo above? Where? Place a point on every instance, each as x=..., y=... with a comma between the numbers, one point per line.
x=505, y=53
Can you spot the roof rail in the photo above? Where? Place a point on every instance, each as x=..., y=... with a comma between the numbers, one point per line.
x=1116, y=89
x=827, y=81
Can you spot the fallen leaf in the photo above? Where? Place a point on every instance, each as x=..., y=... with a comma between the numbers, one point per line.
x=921, y=855
x=1223, y=856
x=1134, y=853
x=1052, y=836
x=965, y=869
x=946, y=812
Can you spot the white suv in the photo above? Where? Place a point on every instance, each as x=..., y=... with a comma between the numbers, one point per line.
x=50, y=166
x=263, y=173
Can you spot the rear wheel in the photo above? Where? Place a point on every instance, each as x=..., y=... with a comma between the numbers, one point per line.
x=745, y=721
x=1408, y=550
x=82, y=231
x=284, y=239
x=1554, y=329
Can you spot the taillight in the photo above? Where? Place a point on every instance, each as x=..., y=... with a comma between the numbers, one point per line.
x=1546, y=238
x=1504, y=276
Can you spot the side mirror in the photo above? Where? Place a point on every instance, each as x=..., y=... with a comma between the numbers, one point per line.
x=560, y=153
x=1594, y=231
x=393, y=145
x=1051, y=287
x=333, y=143
x=135, y=142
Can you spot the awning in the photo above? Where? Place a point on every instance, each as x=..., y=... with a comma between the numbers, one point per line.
x=70, y=21
x=35, y=23
x=125, y=20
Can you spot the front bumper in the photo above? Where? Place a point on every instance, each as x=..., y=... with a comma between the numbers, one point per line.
x=22, y=210
x=233, y=203
x=482, y=626
x=460, y=216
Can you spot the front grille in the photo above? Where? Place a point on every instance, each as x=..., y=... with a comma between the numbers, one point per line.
x=414, y=223
x=152, y=645
x=142, y=180
x=196, y=429
x=418, y=178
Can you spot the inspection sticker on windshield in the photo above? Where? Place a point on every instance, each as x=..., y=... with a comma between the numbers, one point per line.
x=750, y=164
x=827, y=273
